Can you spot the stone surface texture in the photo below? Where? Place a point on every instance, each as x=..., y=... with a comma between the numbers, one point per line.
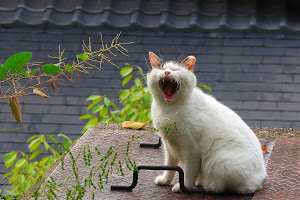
x=283, y=168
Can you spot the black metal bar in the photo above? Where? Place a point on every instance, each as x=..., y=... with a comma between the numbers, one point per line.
x=150, y=167
x=151, y=145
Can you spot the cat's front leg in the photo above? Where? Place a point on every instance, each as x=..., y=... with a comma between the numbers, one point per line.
x=191, y=171
x=168, y=175
x=198, y=180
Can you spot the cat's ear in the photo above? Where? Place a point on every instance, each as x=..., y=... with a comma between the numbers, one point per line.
x=189, y=62
x=154, y=59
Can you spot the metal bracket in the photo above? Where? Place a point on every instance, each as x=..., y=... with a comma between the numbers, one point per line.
x=149, y=167
x=151, y=145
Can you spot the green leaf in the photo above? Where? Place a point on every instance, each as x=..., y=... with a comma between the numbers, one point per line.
x=138, y=83
x=8, y=154
x=141, y=72
x=33, y=145
x=94, y=97
x=104, y=112
x=206, y=87
x=7, y=174
x=147, y=98
x=84, y=56
x=2, y=71
x=51, y=160
x=91, y=123
x=97, y=108
x=114, y=105
x=17, y=61
x=51, y=69
x=23, y=72
x=35, y=154
x=138, y=96
x=20, y=163
x=55, y=153
x=33, y=142
x=43, y=161
x=13, y=178
x=21, y=180
x=106, y=101
x=67, y=144
x=46, y=145
x=124, y=95
x=33, y=71
x=125, y=71
x=31, y=138
x=63, y=135
x=105, y=120
x=52, y=138
x=24, y=155
x=10, y=159
x=85, y=116
x=6, y=197
x=70, y=68
x=125, y=81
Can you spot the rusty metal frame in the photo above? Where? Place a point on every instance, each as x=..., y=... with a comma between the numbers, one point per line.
x=151, y=167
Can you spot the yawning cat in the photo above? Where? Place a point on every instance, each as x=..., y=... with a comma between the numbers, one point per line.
x=218, y=150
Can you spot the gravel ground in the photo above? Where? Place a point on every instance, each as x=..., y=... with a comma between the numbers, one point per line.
x=261, y=132
x=273, y=133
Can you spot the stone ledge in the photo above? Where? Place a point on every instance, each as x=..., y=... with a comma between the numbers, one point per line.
x=105, y=135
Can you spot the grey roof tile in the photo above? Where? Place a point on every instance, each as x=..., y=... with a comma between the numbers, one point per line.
x=152, y=15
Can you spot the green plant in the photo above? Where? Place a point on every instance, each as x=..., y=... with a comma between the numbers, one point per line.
x=135, y=100
x=17, y=70
x=105, y=164
x=25, y=78
x=26, y=169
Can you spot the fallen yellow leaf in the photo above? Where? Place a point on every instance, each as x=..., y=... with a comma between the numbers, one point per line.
x=134, y=125
x=127, y=124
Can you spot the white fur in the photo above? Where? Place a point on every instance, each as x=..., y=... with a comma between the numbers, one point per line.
x=214, y=143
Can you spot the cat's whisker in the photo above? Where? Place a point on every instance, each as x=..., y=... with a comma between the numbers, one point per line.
x=181, y=82
x=145, y=83
x=147, y=64
x=179, y=58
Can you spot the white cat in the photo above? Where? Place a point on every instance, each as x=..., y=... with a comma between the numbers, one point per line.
x=218, y=150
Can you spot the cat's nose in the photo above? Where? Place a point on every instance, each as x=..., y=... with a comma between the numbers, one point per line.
x=167, y=73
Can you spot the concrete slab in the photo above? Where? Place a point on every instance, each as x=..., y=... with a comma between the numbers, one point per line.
x=105, y=137
x=283, y=170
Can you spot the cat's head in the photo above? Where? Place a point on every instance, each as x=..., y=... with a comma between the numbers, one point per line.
x=171, y=80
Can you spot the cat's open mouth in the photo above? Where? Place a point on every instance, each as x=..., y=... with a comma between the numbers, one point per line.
x=169, y=88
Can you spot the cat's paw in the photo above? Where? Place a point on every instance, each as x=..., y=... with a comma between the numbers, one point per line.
x=162, y=180
x=198, y=183
x=176, y=188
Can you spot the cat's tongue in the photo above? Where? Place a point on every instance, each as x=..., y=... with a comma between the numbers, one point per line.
x=168, y=92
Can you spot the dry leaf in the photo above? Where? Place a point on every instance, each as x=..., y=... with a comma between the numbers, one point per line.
x=15, y=108
x=40, y=93
x=138, y=125
x=52, y=85
x=127, y=124
x=265, y=149
x=134, y=125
